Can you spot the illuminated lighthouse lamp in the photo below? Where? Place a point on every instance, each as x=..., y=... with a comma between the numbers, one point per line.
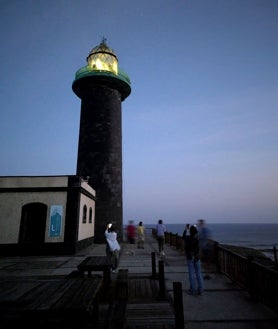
x=102, y=58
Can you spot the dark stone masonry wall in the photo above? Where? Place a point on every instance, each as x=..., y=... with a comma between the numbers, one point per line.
x=100, y=155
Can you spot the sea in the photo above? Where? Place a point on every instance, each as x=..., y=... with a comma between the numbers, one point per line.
x=262, y=237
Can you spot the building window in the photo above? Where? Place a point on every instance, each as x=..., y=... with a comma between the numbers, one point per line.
x=84, y=220
x=90, y=215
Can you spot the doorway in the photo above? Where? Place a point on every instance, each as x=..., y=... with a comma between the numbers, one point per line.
x=32, y=225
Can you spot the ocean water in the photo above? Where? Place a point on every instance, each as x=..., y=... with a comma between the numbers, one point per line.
x=258, y=236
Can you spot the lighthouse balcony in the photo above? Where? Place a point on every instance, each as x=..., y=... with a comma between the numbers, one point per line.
x=89, y=71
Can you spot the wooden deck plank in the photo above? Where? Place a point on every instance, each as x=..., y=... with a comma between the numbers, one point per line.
x=72, y=302
x=150, y=315
x=144, y=289
x=12, y=290
x=48, y=294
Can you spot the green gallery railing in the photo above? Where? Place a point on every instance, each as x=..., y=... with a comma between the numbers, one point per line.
x=87, y=71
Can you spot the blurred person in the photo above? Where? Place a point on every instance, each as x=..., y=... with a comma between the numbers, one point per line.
x=131, y=234
x=140, y=235
x=160, y=235
x=205, y=244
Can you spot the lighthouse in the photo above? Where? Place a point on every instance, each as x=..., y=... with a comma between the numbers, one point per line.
x=102, y=87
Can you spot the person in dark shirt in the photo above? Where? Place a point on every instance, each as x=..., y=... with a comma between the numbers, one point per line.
x=186, y=232
x=193, y=262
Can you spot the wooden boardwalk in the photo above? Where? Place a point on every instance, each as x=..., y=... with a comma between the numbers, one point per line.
x=223, y=304
x=142, y=300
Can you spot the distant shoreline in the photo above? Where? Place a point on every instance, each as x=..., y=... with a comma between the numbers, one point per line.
x=258, y=254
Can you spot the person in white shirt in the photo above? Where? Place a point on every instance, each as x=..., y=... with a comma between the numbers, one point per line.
x=112, y=246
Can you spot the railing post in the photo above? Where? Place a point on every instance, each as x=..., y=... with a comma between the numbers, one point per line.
x=182, y=244
x=161, y=278
x=178, y=305
x=275, y=258
x=216, y=257
x=166, y=235
x=250, y=277
x=153, y=265
x=172, y=239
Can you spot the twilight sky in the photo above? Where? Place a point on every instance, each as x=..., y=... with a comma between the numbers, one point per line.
x=200, y=128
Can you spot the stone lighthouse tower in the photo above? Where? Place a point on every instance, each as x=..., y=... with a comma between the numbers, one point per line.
x=102, y=87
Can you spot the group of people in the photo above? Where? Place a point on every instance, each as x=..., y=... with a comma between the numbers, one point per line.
x=197, y=248
x=134, y=234
x=196, y=239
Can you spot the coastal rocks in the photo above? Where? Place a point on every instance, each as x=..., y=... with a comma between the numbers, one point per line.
x=257, y=255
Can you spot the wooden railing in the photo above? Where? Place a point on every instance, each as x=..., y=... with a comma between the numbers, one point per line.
x=260, y=281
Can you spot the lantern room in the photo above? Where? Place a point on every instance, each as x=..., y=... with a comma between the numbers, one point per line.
x=103, y=58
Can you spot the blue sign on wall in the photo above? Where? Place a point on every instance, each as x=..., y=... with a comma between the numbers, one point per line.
x=55, y=223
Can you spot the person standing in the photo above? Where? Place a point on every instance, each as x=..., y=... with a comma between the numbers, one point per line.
x=131, y=233
x=193, y=262
x=186, y=233
x=205, y=245
x=112, y=246
x=140, y=235
x=204, y=236
x=160, y=235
